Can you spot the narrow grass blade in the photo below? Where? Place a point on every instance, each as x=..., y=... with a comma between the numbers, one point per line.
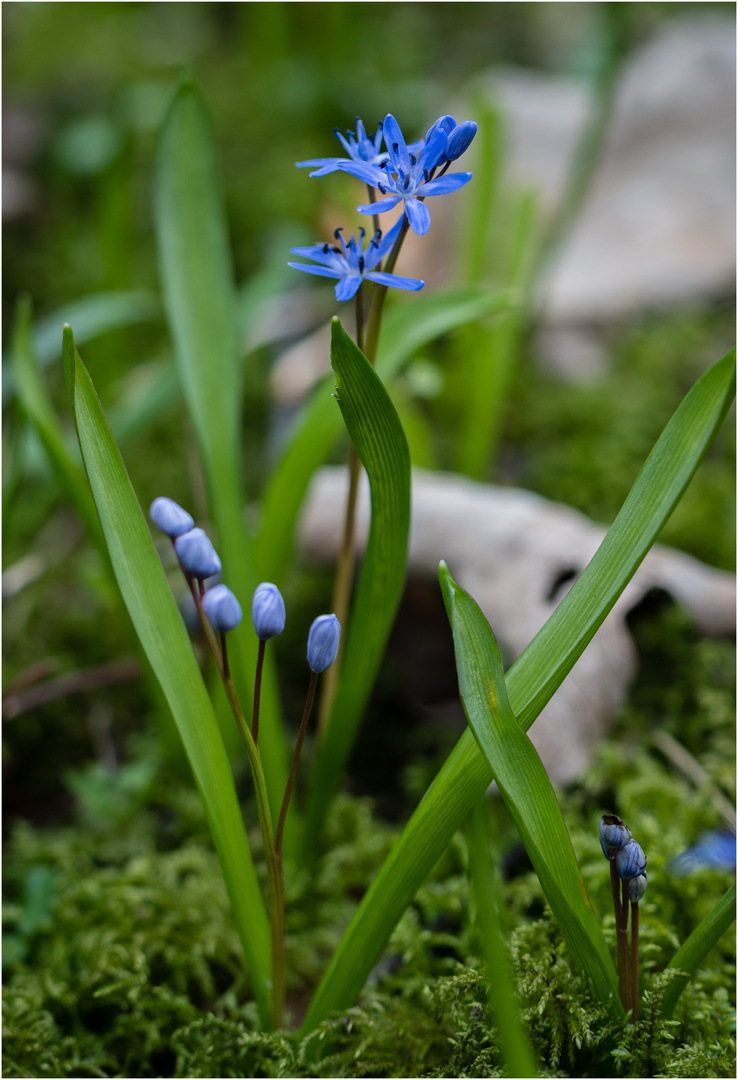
x=91, y=315
x=531, y=682
x=405, y=329
x=696, y=947
x=160, y=628
x=39, y=410
x=516, y=1048
x=525, y=786
x=199, y=300
x=377, y=434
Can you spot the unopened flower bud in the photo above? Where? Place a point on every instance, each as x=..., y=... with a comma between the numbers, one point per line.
x=222, y=608
x=460, y=140
x=267, y=611
x=323, y=639
x=197, y=554
x=169, y=516
x=614, y=834
x=630, y=860
x=637, y=887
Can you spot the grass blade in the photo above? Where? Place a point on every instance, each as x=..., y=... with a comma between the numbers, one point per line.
x=516, y=1049
x=531, y=682
x=696, y=947
x=199, y=300
x=405, y=329
x=160, y=628
x=525, y=786
x=377, y=434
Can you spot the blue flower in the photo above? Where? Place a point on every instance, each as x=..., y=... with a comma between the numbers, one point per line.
x=351, y=264
x=458, y=137
x=359, y=147
x=614, y=834
x=630, y=860
x=713, y=849
x=407, y=176
x=222, y=608
x=637, y=887
x=323, y=639
x=197, y=554
x=169, y=516
x=267, y=611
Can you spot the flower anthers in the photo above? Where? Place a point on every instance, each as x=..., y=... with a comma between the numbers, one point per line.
x=267, y=611
x=222, y=608
x=323, y=639
x=169, y=516
x=197, y=554
x=359, y=147
x=352, y=263
x=409, y=176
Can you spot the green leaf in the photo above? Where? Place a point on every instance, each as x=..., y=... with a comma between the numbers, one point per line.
x=199, y=298
x=406, y=329
x=531, y=682
x=486, y=889
x=524, y=785
x=162, y=633
x=695, y=949
x=39, y=410
x=377, y=434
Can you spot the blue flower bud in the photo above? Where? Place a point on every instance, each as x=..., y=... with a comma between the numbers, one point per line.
x=614, y=834
x=460, y=140
x=713, y=849
x=322, y=650
x=169, y=516
x=197, y=554
x=267, y=611
x=637, y=887
x=222, y=608
x=630, y=860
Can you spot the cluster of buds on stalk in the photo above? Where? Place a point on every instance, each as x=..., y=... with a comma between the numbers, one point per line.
x=627, y=873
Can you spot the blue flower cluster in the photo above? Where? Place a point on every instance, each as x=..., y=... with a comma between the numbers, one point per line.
x=618, y=845
x=402, y=174
x=199, y=559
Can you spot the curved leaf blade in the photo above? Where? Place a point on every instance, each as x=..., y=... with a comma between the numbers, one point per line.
x=377, y=434
x=160, y=628
x=531, y=682
x=696, y=947
x=525, y=786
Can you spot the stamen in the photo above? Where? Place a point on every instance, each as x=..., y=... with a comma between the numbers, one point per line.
x=382, y=189
x=406, y=184
x=362, y=232
x=361, y=264
x=413, y=160
x=395, y=146
x=326, y=248
x=338, y=232
x=426, y=175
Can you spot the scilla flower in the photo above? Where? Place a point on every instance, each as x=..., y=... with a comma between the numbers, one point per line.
x=637, y=887
x=352, y=264
x=614, y=834
x=197, y=554
x=169, y=516
x=458, y=137
x=713, y=849
x=222, y=608
x=323, y=639
x=267, y=611
x=407, y=176
x=359, y=147
x=630, y=860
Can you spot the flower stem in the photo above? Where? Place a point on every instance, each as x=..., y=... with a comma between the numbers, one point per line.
x=621, y=927
x=257, y=693
x=275, y=876
x=295, y=761
x=375, y=217
x=634, y=933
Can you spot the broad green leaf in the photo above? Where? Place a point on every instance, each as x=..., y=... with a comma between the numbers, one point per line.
x=524, y=785
x=531, y=682
x=377, y=434
x=162, y=633
x=405, y=329
x=696, y=947
x=199, y=298
x=91, y=315
x=38, y=408
x=516, y=1049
